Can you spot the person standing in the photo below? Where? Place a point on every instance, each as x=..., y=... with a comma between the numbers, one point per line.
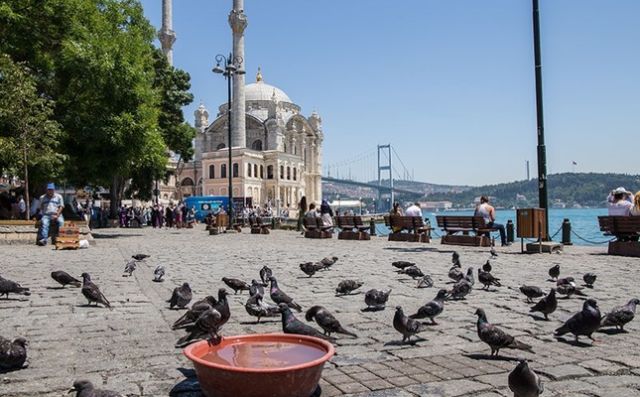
x=22, y=207
x=51, y=206
x=169, y=216
x=488, y=213
x=302, y=209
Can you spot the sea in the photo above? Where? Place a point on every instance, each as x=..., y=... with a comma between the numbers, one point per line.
x=584, y=223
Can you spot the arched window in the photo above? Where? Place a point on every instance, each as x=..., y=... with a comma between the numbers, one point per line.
x=212, y=171
x=223, y=171
x=256, y=145
x=289, y=173
x=269, y=172
x=221, y=146
x=235, y=170
x=249, y=170
x=255, y=170
x=187, y=182
x=261, y=172
x=282, y=172
x=295, y=173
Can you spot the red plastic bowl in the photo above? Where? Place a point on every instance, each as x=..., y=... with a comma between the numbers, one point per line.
x=218, y=380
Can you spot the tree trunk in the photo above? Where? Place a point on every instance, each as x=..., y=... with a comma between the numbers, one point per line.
x=115, y=194
x=26, y=179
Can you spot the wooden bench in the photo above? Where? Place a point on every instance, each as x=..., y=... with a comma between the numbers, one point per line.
x=626, y=230
x=458, y=229
x=352, y=228
x=408, y=228
x=316, y=229
x=257, y=227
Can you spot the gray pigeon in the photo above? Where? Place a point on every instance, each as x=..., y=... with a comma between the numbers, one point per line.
x=180, y=297
x=523, y=382
x=455, y=257
x=256, y=288
x=487, y=279
x=589, y=279
x=546, y=305
x=64, y=279
x=291, y=325
x=455, y=273
x=84, y=388
x=256, y=307
x=376, y=299
x=13, y=355
x=402, y=264
x=328, y=262
x=222, y=306
x=531, y=292
x=433, y=308
x=567, y=290
x=406, y=325
x=92, y=292
x=158, y=274
x=205, y=327
x=469, y=276
x=425, y=282
x=196, y=310
x=585, y=322
x=140, y=257
x=278, y=296
x=493, y=252
x=348, y=286
x=236, y=285
x=554, y=272
x=326, y=321
x=11, y=287
x=129, y=268
x=412, y=271
x=621, y=315
x=310, y=268
x=460, y=290
x=487, y=267
x=265, y=274
x=566, y=281
x=495, y=337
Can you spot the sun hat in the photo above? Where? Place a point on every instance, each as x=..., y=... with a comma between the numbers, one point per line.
x=620, y=190
x=51, y=186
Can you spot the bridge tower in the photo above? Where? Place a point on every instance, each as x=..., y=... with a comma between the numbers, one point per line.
x=382, y=167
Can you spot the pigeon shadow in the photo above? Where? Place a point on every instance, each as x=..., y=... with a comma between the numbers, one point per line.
x=351, y=293
x=108, y=236
x=408, y=250
x=572, y=342
x=489, y=290
x=188, y=385
x=88, y=305
x=412, y=342
x=537, y=318
x=262, y=321
x=480, y=356
x=54, y=288
x=372, y=309
x=158, y=281
x=612, y=331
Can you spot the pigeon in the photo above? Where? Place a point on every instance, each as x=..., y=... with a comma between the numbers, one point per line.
x=554, y=272
x=621, y=315
x=406, y=325
x=487, y=267
x=206, y=326
x=256, y=288
x=265, y=274
x=566, y=281
x=310, y=268
x=412, y=271
x=455, y=257
x=158, y=273
x=129, y=268
x=376, y=299
x=567, y=290
x=256, y=307
x=495, y=337
x=196, y=310
x=92, y=292
x=222, y=306
x=469, y=276
x=65, y=279
x=140, y=257
x=455, y=273
x=13, y=355
x=348, y=286
x=402, y=264
x=328, y=262
x=433, y=308
x=523, y=382
x=589, y=279
x=493, y=252
x=236, y=285
x=487, y=279
x=546, y=305
x=84, y=388
x=291, y=325
x=460, y=290
x=531, y=292
x=326, y=321
x=585, y=322
x=180, y=297
x=278, y=296
x=425, y=282
x=11, y=287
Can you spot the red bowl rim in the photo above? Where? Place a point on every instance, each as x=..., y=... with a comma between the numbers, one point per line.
x=330, y=351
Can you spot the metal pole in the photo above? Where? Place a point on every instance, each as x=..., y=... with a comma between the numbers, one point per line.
x=230, y=166
x=543, y=196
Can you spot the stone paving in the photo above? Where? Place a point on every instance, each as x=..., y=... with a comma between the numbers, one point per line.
x=130, y=348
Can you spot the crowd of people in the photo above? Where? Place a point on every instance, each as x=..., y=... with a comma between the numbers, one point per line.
x=157, y=216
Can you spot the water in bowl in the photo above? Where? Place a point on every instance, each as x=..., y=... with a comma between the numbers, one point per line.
x=264, y=354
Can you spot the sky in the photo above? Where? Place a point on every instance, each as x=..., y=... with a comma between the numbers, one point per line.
x=448, y=83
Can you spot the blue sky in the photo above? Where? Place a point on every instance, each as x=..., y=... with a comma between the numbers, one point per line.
x=449, y=83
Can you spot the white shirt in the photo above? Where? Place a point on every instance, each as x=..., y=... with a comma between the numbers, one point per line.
x=413, y=210
x=621, y=208
x=483, y=211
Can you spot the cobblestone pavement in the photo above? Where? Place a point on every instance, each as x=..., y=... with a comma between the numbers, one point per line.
x=130, y=349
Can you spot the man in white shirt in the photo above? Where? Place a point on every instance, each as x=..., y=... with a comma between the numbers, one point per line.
x=620, y=202
x=414, y=210
x=51, y=206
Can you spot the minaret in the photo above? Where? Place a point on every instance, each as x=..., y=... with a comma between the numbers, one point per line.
x=238, y=22
x=166, y=35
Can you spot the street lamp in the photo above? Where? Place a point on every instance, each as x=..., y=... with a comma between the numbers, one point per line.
x=338, y=204
x=232, y=65
x=360, y=203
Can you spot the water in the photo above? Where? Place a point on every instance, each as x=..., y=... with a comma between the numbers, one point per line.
x=584, y=222
x=264, y=354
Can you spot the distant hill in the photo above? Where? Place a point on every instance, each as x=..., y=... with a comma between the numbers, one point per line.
x=567, y=189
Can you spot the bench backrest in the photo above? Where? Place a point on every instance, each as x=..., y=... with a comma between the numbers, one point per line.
x=312, y=223
x=460, y=222
x=345, y=221
x=406, y=222
x=357, y=220
x=620, y=224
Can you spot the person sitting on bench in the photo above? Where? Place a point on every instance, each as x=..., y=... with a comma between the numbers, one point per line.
x=51, y=206
x=326, y=213
x=488, y=213
x=620, y=202
x=414, y=210
x=635, y=210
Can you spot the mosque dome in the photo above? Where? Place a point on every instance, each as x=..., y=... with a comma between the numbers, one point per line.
x=261, y=91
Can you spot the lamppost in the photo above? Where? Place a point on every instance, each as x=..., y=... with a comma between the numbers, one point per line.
x=338, y=204
x=232, y=65
x=360, y=203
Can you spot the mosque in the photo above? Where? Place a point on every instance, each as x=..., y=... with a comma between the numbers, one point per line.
x=276, y=150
